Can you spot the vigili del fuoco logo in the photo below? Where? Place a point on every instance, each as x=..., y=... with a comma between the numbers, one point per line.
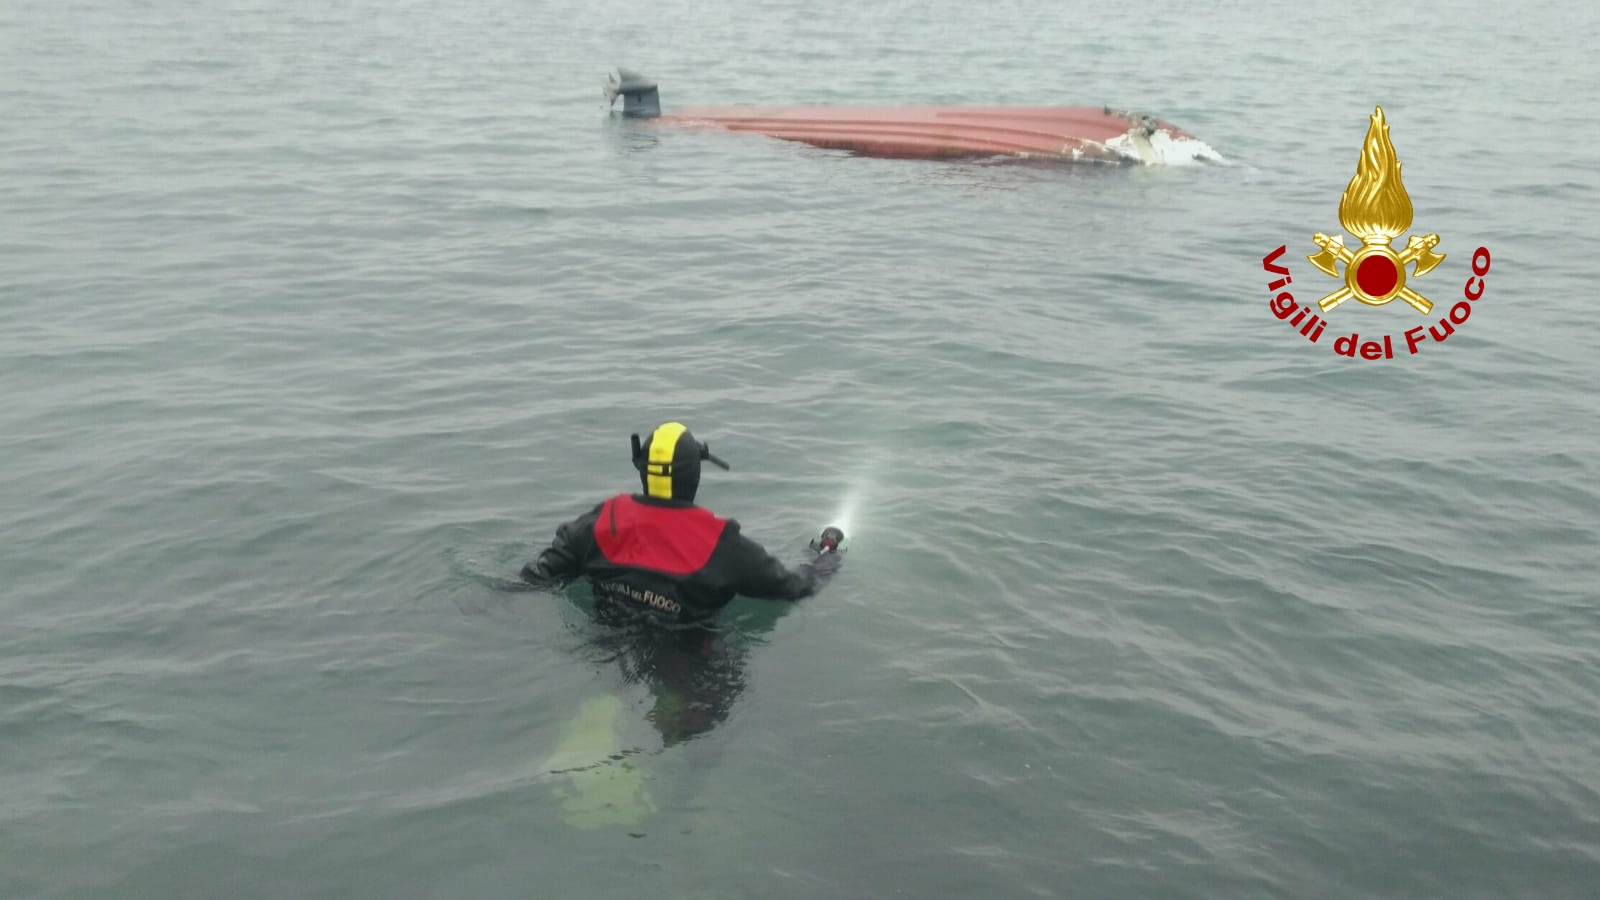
x=1375, y=208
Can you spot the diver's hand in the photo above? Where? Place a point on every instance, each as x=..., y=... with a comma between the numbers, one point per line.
x=828, y=553
x=827, y=563
x=829, y=540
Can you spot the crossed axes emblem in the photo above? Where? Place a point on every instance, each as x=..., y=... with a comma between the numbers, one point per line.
x=1369, y=265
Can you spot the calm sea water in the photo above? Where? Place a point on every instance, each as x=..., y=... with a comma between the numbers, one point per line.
x=317, y=317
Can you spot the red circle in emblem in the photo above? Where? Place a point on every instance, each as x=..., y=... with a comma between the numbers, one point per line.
x=1376, y=276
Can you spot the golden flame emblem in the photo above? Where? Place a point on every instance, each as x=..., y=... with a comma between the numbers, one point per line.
x=1376, y=208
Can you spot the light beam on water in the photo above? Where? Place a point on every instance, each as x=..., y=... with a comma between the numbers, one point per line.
x=846, y=517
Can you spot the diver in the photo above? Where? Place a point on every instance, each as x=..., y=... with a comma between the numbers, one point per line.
x=664, y=568
x=658, y=559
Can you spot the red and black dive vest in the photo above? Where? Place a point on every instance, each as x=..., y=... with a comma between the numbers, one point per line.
x=668, y=560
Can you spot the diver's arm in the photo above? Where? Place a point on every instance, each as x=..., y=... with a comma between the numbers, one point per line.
x=764, y=576
x=563, y=560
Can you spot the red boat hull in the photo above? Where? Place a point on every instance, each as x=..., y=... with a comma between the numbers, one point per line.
x=1075, y=134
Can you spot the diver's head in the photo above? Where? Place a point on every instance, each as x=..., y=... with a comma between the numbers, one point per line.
x=669, y=462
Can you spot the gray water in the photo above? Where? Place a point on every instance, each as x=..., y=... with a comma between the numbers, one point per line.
x=316, y=318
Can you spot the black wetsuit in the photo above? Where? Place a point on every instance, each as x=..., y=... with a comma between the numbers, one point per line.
x=668, y=562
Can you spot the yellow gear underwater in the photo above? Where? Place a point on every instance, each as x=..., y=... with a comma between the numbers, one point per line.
x=605, y=788
x=669, y=462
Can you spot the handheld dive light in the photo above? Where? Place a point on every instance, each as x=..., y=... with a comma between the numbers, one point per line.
x=830, y=540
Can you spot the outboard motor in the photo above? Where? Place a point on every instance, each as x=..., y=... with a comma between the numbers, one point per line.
x=639, y=97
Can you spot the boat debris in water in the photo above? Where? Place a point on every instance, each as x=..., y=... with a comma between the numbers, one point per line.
x=1057, y=133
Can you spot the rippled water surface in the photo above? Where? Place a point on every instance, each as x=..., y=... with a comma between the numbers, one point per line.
x=315, y=318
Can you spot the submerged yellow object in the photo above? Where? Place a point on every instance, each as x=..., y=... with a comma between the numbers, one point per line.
x=602, y=786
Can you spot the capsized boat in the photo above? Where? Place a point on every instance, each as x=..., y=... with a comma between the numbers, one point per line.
x=1062, y=133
